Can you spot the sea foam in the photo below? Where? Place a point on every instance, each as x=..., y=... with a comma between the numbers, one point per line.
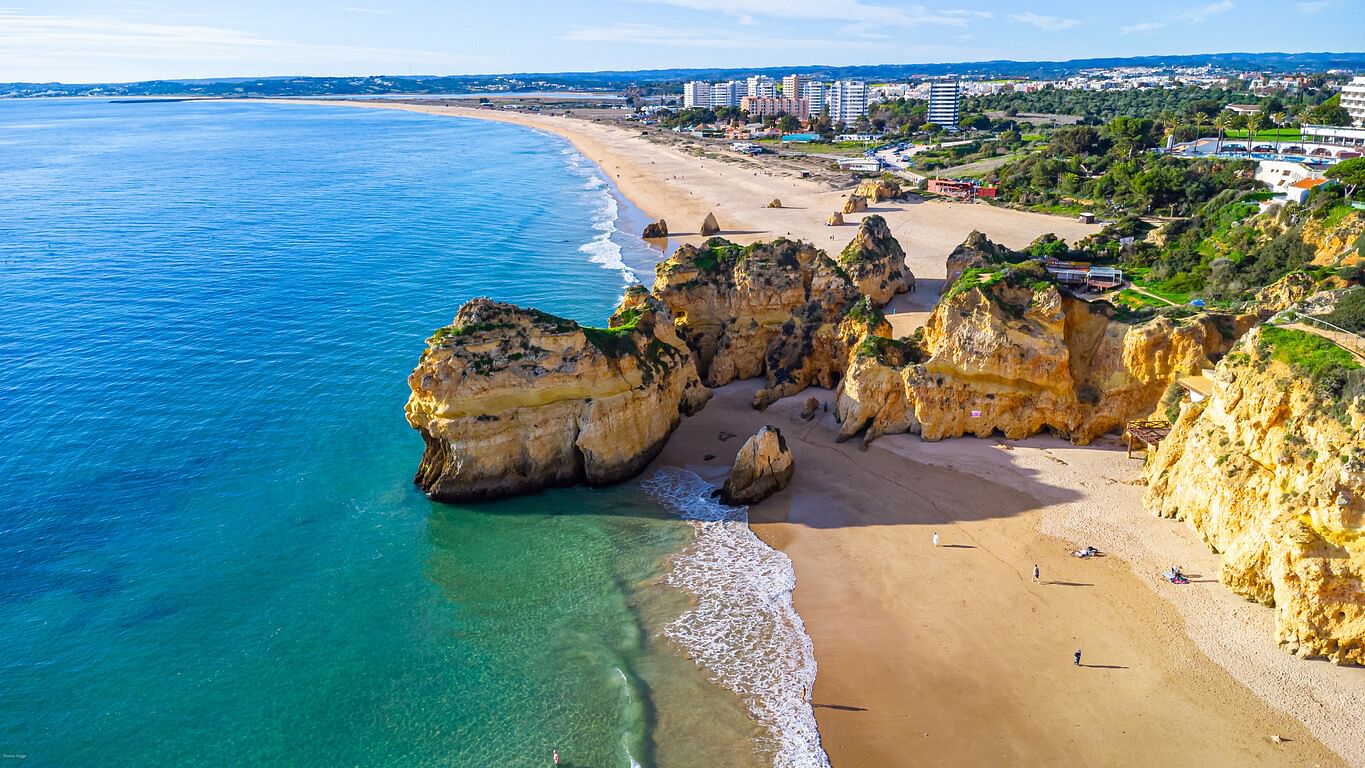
x=743, y=630
x=602, y=249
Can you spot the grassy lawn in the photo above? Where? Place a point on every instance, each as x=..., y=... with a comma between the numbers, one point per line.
x=1175, y=297
x=1267, y=134
x=1134, y=300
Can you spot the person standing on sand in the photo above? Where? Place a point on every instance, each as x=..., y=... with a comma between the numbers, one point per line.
x=936, y=538
x=1035, y=571
x=1078, y=657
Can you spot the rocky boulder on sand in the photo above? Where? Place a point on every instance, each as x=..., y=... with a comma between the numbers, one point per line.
x=775, y=203
x=809, y=408
x=512, y=400
x=763, y=467
x=709, y=226
x=855, y=204
x=835, y=219
x=656, y=229
x=876, y=262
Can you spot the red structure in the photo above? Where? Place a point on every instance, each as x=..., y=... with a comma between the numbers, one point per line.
x=962, y=190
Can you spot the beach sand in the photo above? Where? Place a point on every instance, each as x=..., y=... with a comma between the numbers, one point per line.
x=953, y=655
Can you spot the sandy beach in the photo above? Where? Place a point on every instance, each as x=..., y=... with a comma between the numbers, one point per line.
x=953, y=655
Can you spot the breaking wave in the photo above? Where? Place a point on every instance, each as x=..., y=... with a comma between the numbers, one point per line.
x=744, y=630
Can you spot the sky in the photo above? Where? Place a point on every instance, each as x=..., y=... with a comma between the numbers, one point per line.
x=81, y=41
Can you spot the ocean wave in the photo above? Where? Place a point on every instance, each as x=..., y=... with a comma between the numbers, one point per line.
x=744, y=630
x=601, y=249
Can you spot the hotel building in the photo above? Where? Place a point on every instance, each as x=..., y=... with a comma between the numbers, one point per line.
x=943, y=98
x=814, y=95
x=770, y=107
x=725, y=94
x=1353, y=100
x=761, y=87
x=696, y=93
x=847, y=101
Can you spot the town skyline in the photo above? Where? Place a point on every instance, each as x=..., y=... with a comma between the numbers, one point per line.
x=75, y=41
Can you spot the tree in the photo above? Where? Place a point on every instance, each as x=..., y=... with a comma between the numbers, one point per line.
x=1221, y=123
x=789, y=124
x=1254, y=122
x=1351, y=174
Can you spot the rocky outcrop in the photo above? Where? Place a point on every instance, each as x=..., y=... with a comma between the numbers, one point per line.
x=976, y=252
x=709, y=226
x=1008, y=351
x=855, y=204
x=875, y=261
x=1336, y=243
x=809, y=408
x=1270, y=471
x=510, y=400
x=835, y=219
x=877, y=190
x=762, y=467
x=775, y=203
x=1285, y=292
x=654, y=230
x=783, y=310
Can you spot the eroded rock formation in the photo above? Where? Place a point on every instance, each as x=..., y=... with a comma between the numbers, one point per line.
x=875, y=261
x=762, y=467
x=877, y=190
x=783, y=310
x=855, y=204
x=835, y=219
x=1270, y=471
x=775, y=203
x=510, y=400
x=709, y=226
x=656, y=229
x=1009, y=351
x=975, y=252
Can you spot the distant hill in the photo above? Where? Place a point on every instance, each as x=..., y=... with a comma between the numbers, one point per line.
x=648, y=78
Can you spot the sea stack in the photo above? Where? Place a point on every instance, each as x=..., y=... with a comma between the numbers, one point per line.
x=762, y=467
x=655, y=230
x=512, y=400
x=875, y=261
x=709, y=226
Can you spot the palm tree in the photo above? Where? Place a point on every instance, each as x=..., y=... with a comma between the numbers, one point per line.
x=1254, y=121
x=1278, y=119
x=1201, y=119
x=1221, y=123
x=1167, y=120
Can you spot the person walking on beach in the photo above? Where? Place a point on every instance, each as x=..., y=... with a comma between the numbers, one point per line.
x=1078, y=657
x=936, y=538
x=1035, y=571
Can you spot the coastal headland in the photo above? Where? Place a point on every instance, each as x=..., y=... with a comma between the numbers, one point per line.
x=954, y=655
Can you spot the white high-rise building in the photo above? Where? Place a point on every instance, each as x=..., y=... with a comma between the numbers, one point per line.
x=1353, y=100
x=847, y=101
x=696, y=93
x=725, y=94
x=761, y=87
x=943, y=96
x=791, y=86
x=814, y=94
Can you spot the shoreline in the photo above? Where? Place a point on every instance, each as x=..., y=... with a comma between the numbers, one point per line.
x=1170, y=680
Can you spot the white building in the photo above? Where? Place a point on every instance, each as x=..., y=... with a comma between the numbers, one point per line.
x=725, y=94
x=791, y=86
x=761, y=87
x=943, y=99
x=847, y=101
x=1353, y=100
x=814, y=94
x=696, y=93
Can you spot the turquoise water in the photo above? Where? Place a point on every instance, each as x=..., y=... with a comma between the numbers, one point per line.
x=210, y=549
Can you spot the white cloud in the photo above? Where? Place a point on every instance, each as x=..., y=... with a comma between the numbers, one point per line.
x=1314, y=7
x=674, y=37
x=829, y=10
x=103, y=49
x=1196, y=15
x=1045, y=23
x=1146, y=26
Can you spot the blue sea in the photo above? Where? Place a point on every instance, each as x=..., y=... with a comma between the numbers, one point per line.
x=211, y=552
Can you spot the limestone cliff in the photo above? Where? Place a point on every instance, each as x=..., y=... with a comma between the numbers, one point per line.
x=1337, y=242
x=1285, y=292
x=875, y=261
x=776, y=309
x=510, y=400
x=975, y=252
x=1008, y=351
x=1270, y=471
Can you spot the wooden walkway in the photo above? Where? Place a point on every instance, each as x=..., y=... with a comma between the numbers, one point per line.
x=1148, y=433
